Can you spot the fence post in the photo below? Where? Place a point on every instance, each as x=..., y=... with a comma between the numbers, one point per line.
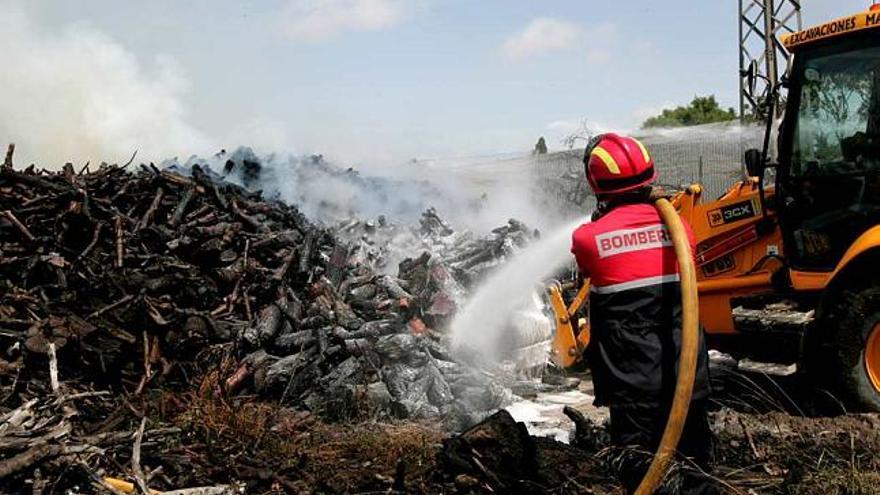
x=700, y=171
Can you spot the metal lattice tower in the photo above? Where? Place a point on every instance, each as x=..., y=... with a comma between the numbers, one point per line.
x=761, y=22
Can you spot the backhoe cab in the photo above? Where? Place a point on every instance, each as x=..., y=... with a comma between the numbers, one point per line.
x=790, y=272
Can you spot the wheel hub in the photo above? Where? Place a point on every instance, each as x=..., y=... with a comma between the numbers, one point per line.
x=872, y=356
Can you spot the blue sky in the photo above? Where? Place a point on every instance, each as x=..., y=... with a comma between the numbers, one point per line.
x=377, y=80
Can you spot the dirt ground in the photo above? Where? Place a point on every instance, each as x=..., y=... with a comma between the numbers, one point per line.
x=193, y=440
x=278, y=450
x=282, y=451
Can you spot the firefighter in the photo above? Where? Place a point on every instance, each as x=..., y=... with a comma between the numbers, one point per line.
x=635, y=314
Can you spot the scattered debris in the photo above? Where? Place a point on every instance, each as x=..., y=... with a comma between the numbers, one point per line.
x=499, y=456
x=165, y=332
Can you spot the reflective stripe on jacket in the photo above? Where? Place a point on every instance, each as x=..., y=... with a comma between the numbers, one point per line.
x=635, y=307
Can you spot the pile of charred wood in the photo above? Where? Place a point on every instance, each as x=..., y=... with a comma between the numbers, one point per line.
x=129, y=277
x=466, y=257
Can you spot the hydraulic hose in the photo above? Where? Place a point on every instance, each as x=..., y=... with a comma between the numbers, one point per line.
x=687, y=360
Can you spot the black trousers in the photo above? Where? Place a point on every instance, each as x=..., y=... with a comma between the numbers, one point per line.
x=636, y=433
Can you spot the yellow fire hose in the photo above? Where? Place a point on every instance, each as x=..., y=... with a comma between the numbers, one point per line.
x=687, y=360
x=567, y=347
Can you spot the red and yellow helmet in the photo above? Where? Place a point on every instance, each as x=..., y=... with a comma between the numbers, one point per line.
x=616, y=164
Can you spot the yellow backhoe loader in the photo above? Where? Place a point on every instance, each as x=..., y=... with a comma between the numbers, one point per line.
x=789, y=271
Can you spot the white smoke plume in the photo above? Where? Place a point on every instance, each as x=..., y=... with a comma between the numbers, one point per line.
x=503, y=187
x=473, y=196
x=78, y=94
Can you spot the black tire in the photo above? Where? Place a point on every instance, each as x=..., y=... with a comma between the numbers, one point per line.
x=841, y=360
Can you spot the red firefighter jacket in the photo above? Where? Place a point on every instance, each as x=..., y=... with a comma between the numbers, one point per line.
x=635, y=307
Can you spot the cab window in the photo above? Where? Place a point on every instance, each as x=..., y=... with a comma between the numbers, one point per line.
x=838, y=125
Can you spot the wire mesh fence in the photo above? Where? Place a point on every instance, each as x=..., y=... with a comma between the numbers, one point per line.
x=711, y=156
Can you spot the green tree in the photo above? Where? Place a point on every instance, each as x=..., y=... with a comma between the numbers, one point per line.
x=540, y=147
x=702, y=110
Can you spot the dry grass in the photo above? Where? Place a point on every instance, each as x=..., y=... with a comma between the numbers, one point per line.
x=304, y=455
x=276, y=450
x=244, y=427
x=780, y=453
x=837, y=482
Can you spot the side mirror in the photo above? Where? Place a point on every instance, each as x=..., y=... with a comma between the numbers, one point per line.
x=754, y=163
x=751, y=76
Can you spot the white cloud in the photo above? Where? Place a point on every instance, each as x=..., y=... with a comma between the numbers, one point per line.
x=601, y=39
x=320, y=20
x=542, y=35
